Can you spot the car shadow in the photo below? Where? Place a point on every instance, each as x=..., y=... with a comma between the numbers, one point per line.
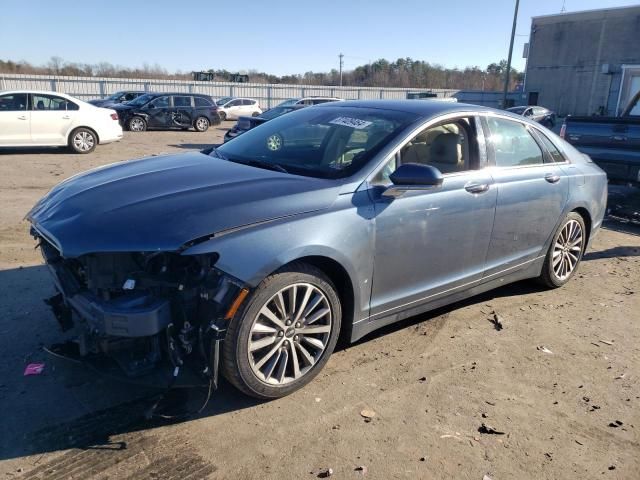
x=34, y=150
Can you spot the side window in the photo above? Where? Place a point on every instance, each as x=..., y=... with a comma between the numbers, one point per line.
x=16, y=102
x=446, y=146
x=162, y=102
x=50, y=102
x=512, y=143
x=202, y=102
x=551, y=148
x=181, y=101
x=128, y=97
x=234, y=103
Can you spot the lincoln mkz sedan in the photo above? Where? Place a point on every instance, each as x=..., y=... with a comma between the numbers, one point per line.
x=331, y=220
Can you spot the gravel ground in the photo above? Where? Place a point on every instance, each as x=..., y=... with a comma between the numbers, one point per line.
x=570, y=410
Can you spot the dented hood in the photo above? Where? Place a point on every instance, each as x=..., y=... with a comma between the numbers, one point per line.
x=161, y=203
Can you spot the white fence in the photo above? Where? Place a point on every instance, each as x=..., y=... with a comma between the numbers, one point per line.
x=268, y=95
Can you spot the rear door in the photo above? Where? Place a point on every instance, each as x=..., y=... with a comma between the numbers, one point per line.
x=532, y=193
x=234, y=109
x=51, y=119
x=15, y=119
x=182, y=111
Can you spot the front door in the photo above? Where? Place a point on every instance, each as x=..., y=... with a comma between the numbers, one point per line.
x=432, y=242
x=15, y=120
x=159, y=112
x=51, y=119
x=532, y=193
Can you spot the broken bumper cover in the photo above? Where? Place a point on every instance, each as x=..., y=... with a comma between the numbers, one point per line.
x=150, y=313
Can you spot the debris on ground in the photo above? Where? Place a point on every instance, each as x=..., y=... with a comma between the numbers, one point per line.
x=423, y=459
x=544, y=349
x=367, y=413
x=362, y=469
x=612, y=467
x=616, y=424
x=486, y=477
x=484, y=428
x=620, y=377
x=325, y=473
x=422, y=379
x=34, y=369
x=497, y=321
x=606, y=342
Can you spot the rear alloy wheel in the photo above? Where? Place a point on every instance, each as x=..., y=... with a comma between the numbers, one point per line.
x=255, y=114
x=137, y=124
x=565, y=252
x=222, y=115
x=201, y=124
x=285, y=334
x=82, y=140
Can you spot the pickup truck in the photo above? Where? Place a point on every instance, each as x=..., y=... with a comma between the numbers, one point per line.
x=613, y=143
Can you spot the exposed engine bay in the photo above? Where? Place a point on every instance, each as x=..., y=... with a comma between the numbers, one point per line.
x=145, y=311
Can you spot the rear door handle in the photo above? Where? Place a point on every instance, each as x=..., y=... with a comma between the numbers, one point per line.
x=475, y=187
x=552, y=178
x=66, y=117
x=22, y=117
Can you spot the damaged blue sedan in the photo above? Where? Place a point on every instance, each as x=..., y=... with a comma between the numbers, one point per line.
x=254, y=257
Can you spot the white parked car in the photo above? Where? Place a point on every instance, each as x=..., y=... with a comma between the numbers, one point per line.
x=31, y=118
x=231, y=108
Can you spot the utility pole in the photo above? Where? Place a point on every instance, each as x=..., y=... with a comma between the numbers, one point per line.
x=341, y=56
x=506, y=77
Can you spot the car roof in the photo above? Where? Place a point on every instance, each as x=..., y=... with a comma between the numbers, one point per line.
x=37, y=92
x=156, y=94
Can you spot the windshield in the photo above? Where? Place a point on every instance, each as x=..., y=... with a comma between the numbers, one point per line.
x=517, y=110
x=141, y=100
x=223, y=100
x=290, y=101
x=114, y=96
x=325, y=142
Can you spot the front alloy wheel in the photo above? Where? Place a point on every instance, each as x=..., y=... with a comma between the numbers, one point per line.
x=565, y=251
x=284, y=334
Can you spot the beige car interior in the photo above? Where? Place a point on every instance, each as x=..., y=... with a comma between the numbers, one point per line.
x=445, y=147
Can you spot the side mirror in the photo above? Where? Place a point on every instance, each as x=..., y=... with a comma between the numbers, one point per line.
x=413, y=176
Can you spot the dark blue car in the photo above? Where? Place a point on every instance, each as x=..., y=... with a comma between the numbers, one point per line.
x=336, y=219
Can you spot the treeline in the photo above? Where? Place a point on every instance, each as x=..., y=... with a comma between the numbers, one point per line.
x=404, y=72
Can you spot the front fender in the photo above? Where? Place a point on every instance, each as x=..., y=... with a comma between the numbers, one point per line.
x=343, y=234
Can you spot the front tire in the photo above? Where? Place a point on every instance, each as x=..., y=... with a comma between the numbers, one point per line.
x=223, y=116
x=565, y=252
x=201, y=124
x=284, y=334
x=83, y=140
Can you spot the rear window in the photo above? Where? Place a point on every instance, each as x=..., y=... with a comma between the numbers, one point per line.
x=13, y=103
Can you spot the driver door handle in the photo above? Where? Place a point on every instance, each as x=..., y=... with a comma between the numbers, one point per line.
x=22, y=117
x=475, y=187
x=66, y=117
x=552, y=178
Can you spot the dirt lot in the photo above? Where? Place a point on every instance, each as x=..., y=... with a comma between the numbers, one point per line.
x=571, y=412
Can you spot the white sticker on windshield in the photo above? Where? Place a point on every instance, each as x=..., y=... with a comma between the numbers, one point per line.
x=351, y=122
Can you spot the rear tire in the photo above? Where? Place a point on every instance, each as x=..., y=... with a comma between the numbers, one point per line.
x=201, y=124
x=137, y=124
x=223, y=116
x=82, y=140
x=271, y=355
x=565, y=252
x=255, y=114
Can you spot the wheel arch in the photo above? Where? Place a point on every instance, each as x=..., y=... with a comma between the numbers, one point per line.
x=586, y=218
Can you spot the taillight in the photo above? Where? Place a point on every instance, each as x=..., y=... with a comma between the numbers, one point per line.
x=563, y=130
x=114, y=116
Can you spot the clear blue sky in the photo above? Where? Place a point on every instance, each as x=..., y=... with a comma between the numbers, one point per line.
x=275, y=36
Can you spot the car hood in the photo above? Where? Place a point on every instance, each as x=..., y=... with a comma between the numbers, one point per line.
x=162, y=203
